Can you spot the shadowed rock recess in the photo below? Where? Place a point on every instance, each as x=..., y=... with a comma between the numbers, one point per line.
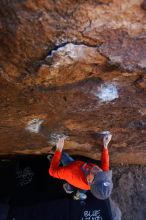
x=73, y=68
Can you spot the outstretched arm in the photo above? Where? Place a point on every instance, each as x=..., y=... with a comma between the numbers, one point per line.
x=105, y=153
x=54, y=169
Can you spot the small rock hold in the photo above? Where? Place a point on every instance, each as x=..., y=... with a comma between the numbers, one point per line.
x=139, y=125
x=33, y=126
x=141, y=83
x=31, y=101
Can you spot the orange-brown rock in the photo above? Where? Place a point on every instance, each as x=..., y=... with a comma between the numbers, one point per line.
x=73, y=68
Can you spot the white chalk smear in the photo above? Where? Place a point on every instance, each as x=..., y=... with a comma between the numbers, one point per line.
x=104, y=132
x=34, y=125
x=107, y=92
x=70, y=53
x=71, y=50
x=54, y=137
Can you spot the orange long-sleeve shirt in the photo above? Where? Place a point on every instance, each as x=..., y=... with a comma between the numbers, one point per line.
x=73, y=173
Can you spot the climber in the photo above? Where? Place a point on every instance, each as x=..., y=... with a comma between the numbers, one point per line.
x=83, y=176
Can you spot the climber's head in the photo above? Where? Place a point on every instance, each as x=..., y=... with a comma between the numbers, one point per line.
x=102, y=185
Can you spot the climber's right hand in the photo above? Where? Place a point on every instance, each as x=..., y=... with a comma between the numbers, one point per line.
x=107, y=138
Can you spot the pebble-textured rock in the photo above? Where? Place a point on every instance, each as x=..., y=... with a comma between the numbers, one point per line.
x=73, y=68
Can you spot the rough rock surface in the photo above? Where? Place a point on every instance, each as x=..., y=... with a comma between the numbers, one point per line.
x=130, y=191
x=74, y=68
